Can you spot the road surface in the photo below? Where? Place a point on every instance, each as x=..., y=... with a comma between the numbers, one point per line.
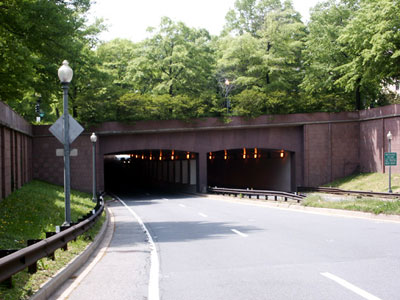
x=210, y=248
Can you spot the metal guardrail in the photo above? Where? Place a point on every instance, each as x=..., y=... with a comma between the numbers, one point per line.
x=258, y=193
x=26, y=257
x=336, y=191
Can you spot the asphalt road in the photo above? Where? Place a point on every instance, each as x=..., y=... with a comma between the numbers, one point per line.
x=215, y=249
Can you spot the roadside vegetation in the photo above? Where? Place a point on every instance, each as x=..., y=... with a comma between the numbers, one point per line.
x=373, y=182
x=266, y=59
x=27, y=214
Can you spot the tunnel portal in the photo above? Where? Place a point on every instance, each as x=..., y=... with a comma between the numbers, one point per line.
x=262, y=169
x=149, y=170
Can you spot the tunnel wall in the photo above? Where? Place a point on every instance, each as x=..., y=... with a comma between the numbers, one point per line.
x=325, y=146
x=15, y=151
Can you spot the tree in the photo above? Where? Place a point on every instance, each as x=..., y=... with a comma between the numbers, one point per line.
x=176, y=60
x=372, y=38
x=248, y=16
x=324, y=55
x=35, y=37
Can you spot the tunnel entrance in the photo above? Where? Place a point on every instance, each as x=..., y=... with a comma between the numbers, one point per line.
x=151, y=170
x=262, y=169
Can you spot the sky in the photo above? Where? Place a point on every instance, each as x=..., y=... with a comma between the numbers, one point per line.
x=130, y=18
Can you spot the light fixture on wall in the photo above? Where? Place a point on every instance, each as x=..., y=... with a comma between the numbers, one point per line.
x=210, y=156
x=255, y=153
x=244, y=153
x=188, y=155
x=225, y=154
x=173, y=155
x=282, y=154
x=160, y=157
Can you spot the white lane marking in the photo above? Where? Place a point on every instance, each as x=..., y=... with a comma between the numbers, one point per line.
x=203, y=215
x=350, y=286
x=154, y=290
x=182, y=205
x=239, y=233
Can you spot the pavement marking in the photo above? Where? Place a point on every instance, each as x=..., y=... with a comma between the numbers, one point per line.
x=182, y=205
x=239, y=233
x=154, y=289
x=203, y=215
x=350, y=286
x=165, y=199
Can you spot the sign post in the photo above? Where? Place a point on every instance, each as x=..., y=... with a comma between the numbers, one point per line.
x=390, y=159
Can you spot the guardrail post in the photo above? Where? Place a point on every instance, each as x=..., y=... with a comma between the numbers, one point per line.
x=32, y=269
x=62, y=228
x=51, y=255
x=7, y=282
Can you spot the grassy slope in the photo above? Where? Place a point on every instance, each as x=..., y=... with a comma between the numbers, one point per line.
x=34, y=209
x=29, y=212
x=376, y=182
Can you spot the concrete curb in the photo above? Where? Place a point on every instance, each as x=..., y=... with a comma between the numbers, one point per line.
x=48, y=288
x=307, y=209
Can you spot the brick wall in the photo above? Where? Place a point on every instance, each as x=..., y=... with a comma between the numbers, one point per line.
x=324, y=146
x=15, y=151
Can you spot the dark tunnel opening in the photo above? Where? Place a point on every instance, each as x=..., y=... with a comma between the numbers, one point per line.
x=262, y=169
x=151, y=170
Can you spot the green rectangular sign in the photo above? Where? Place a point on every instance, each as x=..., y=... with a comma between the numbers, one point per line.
x=390, y=159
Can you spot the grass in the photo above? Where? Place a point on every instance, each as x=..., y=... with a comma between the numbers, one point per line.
x=375, y=182
x=29, y=212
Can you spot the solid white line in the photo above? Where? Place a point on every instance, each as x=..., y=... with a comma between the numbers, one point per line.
x=182, y=205
x=203, y=215
x=154, y=290
x=350, y=286
x=239, y=233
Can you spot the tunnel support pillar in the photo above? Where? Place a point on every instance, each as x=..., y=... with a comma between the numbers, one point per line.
x=202, y=181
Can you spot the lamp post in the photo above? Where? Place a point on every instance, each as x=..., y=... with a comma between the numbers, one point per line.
x=227, y=90
x=65, y=74
x=93, y=139
x=389, y=137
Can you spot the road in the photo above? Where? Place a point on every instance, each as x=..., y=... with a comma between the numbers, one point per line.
x=216, y=249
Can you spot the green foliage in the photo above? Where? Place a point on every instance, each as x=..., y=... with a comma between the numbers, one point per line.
x=340, y=61
x=29, y=212
x=34, y=209
x=35, y=37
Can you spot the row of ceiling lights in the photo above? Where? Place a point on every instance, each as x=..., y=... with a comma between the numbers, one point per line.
x=245, y=154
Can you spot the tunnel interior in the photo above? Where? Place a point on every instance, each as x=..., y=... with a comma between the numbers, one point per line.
x=151, y=170
x=262, y=169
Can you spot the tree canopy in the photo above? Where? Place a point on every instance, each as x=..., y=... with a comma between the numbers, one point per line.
x=342, y=59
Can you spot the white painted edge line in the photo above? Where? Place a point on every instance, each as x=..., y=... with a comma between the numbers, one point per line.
x=203, y=215
x=239, y=233
x=154, y=290
x=350, y=286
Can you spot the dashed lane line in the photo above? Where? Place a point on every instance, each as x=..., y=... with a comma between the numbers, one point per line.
x=350, y=286
x=239, y=233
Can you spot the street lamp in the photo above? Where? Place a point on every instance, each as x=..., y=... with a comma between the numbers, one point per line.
x=93, y=139
x=227, y=90
x=389, y=137
x=65, y=74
